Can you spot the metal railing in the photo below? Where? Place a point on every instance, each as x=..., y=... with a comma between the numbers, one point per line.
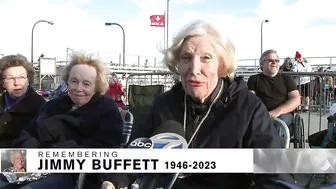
x=168, y=79
x=134, y=62
x=316, y=61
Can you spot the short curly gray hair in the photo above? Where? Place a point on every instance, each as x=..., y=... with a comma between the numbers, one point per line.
x=224, y=47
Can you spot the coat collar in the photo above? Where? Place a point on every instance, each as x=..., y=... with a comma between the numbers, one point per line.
x=27, y=104
x=64, y=104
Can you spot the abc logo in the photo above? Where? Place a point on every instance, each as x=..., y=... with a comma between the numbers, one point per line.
x=141, y=143
x=169, y=141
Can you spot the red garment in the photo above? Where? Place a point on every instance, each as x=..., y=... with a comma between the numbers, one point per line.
x=299, y=58
x=115, y=92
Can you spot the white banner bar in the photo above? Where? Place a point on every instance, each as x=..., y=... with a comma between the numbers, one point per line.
x=295, y=160
x=140, y=160
x=173, y=160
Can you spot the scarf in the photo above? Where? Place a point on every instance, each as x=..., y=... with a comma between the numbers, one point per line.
x=10, y=102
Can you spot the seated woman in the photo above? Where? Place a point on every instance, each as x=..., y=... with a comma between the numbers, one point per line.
x=19, y=103
x=85, y=118
x=214, y=108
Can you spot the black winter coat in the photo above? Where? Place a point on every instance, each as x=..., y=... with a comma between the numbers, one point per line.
x=238, y=119
x=97, y=124
x=17, y=117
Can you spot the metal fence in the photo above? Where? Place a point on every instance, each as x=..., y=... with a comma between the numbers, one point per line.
x=168, y=79
x=317, y=96
x=317, y=91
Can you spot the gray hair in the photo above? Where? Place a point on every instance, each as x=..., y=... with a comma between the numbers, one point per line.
x=264, y=55
x=224, y=47
x=16, y=151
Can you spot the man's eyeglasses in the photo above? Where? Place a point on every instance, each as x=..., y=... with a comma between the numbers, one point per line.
x=273, y=60
x=12, y=79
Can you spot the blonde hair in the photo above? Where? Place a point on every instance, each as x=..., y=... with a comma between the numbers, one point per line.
x=83, y=59
x=224, y=47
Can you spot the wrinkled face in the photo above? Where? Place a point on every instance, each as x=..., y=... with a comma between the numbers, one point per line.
x=82, y=84
x=198, y=67
x=270, y=64
x=18, y=160
x=15, y=81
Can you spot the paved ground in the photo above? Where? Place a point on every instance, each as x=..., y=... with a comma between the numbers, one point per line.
x=314, y=121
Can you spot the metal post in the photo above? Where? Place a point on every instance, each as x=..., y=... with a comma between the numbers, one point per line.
x=261, y=33
x=40, y=77
x=32, y=37
x=167, y=21
x=123, y=31
x=164, y=31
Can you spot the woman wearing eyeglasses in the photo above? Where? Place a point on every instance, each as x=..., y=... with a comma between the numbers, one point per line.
x=19, y=102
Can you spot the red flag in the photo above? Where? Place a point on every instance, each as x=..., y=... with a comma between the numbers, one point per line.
x=157, y=20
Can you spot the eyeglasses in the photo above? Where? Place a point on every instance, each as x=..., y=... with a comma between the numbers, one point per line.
x=12, y=79
x=273, y=60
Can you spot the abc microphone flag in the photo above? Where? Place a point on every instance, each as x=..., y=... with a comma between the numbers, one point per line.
x=159, y=141
x=166, y=136
x=142, y=143
x=169, y=141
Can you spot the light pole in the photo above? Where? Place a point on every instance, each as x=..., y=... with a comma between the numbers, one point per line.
x=123, y=31
x=167, y=21
x=261, y=42
x=32, y=37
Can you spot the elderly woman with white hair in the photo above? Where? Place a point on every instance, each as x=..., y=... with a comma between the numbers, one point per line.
x=84, y=118
x=212, y=106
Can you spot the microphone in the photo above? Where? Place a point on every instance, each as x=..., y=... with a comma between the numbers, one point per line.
x=168, y=132
x=128, y=125
x=168, y=141
x=161, y=141
x=140, y=143
x=170, y=126
x=166, y=136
